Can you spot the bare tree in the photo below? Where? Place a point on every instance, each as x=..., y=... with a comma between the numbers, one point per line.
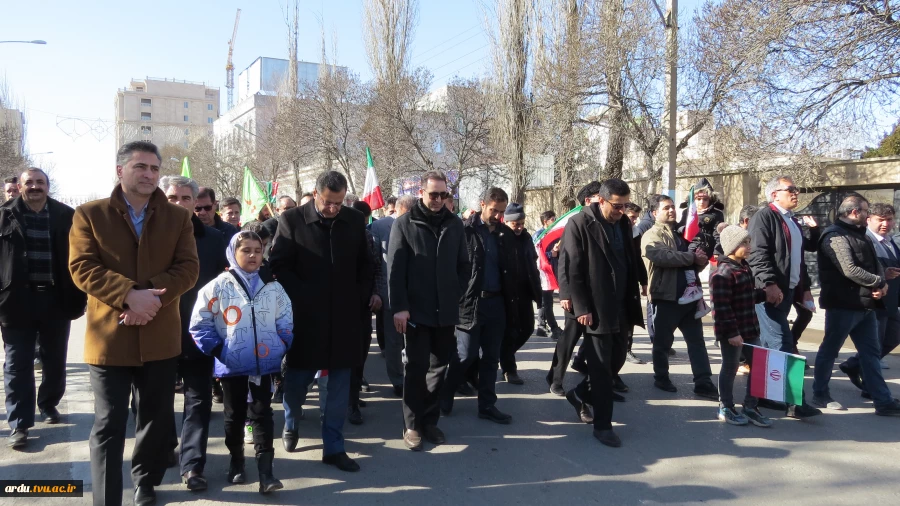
x=12, y=134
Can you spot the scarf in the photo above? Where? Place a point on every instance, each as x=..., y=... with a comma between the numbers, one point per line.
x=251, y=279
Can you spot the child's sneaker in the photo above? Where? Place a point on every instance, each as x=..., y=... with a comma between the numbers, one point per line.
x=703, y=309
x=728, y=415
x=756, y=418
x=248, y=434
x=692, y=293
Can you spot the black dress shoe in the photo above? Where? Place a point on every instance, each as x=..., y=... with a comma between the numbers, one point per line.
x=581, y=409
x=361, y=403
x=466, y=390
x=412, y=439
x=608, y=437
x=540, y=332
x=802, y=411
x=50, y=415
x=513, y=378
x=341, y=461
x=289, y=440
x=495, y=415
x=619, y=385
x=617, y=398
x=195, y=481
x=18, y=439
x=665, y=385
x=236, y=471
x=670, y=352
x=853, y=374
x=707, y=390
x=766, y=403
x=144, y=494
x=217, y=395
x=555, y=334
x=354, y=416
x=580, y=366
x=446, y=407
x=434, y=435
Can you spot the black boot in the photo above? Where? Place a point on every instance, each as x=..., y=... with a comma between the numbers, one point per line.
x=236, y=473
x=267, y=482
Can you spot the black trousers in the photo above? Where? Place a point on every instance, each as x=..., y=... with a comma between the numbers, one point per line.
x=602, y=352
x=238, y=409
x=18, y=369
x=196, y=373
x=428, y=353
x=379, y=329
x=154, y=391
x=357, y=373
x=514, y=339
x=545, y=313
x=668, y=316
x=804, y=316
x=565, y=346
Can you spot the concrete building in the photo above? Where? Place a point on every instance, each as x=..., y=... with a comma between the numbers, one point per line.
x=265, y=76
x=12, y=130
x=165, y=111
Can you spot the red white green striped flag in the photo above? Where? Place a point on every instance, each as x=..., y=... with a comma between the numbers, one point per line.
x=550, y=234
x=777, y=376
x=692, y=224
x=372, y=191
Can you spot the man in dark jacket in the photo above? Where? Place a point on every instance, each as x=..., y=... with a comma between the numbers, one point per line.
x=37, y=297
x=880, y=225
x=602, y=280
x=775, y=260
x=428, y=270
x=194, y=368
x=489, y=303
x=206, y=207
x=518, y=332
x=853, y=286
x=321, y=257
x=709, y=216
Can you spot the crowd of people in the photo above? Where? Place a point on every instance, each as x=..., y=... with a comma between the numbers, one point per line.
x=180, y=296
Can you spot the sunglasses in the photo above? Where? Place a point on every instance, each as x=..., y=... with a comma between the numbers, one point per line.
x=789, y=189
x=203, y=208
x=617, y=207
x=438, y=195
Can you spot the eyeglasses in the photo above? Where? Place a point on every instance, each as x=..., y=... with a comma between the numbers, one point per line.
x=438, y=195
x=790, y=189
x=617, y=207
x=203, y=208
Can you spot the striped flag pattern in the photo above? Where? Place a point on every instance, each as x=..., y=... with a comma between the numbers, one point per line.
x=776, y=375
x=541, y=242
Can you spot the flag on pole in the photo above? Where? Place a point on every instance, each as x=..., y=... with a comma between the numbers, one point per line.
x=692, y=224
x=542, y=242
x=186, y=168
x=372, y=192
x=776, y=375
x=253, y=198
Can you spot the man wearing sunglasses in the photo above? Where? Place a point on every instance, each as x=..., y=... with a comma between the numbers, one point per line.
x=776, y=259
x=206, y=208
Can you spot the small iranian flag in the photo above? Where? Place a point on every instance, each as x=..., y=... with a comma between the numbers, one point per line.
x=372, y=192
x=692, y=226
x=543, y=241
x=777, y=376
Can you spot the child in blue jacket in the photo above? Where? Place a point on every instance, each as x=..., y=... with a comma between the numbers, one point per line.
x=244, y=319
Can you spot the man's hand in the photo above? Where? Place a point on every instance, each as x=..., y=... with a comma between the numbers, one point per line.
x=809, y=221
x=700, y=258
x=130, y=318
x=586, y=319
x=644, y=290
x=566, y=305
x=892, y=272
x=879, y=293
x=374, y=303
x=736, y=341
x=555, y=251
x=774, y=295
x=144, y=304
x=400, y=320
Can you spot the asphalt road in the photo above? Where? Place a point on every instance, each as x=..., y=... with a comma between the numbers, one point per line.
x=674, y=450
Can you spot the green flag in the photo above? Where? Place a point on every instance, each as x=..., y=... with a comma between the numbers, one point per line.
x=186, y=168
x=253, y=198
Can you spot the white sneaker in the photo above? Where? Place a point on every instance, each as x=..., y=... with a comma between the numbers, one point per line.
x=703, y=309
x=693, y=293
x=884, y=365
x=248, y=434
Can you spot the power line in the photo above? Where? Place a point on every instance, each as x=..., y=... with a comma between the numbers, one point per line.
x=448, y=40
x=460, y=68
x=460, y=58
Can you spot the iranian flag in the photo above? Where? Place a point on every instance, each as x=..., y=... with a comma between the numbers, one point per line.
x=777, y=376
x=543, y=241
x=372, y=192
x=692, y=225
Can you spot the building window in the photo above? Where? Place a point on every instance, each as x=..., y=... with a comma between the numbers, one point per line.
x=209, y=107
x=145, y=102
x=145, y=116
x=185, y=105
x=139, y=88
x=185, y=144
x=209, y=120
x=146, y=130
x=185, y=118
x=187, y=131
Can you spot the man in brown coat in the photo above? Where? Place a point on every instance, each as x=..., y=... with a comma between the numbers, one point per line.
x=125, y=256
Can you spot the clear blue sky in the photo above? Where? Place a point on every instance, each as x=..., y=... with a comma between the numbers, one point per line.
x=95, y=47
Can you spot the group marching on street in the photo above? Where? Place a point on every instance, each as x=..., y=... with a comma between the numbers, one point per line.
x=181, y=297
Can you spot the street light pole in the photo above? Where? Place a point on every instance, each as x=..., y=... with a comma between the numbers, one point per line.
x=671, y=115
x=42, y=42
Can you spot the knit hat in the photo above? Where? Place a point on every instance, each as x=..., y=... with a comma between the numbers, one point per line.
x=732, y=237
x=514, y=212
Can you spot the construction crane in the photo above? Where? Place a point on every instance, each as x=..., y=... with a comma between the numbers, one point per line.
x=229, y=68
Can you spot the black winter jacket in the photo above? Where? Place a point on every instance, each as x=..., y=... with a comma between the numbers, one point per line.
x=211, y=252
x=428, y=268
x=528, y=276
x=848, y=269
x=468, y=306
x=15, y=293
x=770, y=256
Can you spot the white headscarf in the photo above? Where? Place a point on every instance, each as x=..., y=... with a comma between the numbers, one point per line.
x=251, y=279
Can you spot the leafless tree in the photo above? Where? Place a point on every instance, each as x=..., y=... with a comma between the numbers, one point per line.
x=12, y=134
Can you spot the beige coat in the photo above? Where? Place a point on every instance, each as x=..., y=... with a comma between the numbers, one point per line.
x=664, y=262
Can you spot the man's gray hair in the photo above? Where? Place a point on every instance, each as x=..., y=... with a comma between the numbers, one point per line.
x=773, y=185
x=406, y=201
x=850, y=204
x=180, y=182
x=350, y=199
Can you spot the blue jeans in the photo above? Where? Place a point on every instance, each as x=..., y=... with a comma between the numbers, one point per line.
x=774, y=329
x=862, y=327
x=486, y=335
x=296, y=386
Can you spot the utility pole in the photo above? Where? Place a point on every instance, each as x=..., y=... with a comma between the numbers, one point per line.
x=670, y=119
